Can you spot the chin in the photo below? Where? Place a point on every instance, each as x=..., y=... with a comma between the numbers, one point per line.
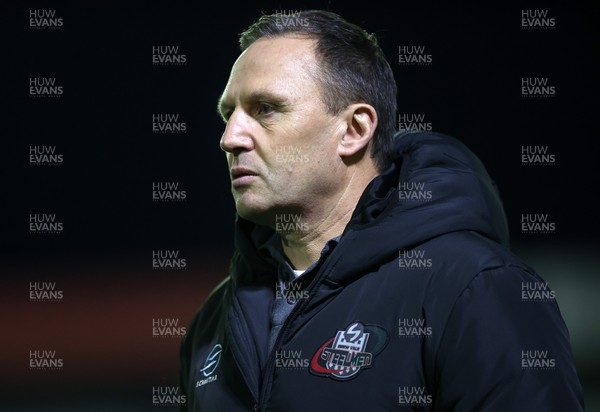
x=253, y=212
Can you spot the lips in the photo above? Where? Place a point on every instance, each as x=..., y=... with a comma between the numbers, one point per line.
x=238, y=172
x=241, y=176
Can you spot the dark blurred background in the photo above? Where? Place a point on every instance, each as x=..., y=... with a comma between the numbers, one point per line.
x=101, y=326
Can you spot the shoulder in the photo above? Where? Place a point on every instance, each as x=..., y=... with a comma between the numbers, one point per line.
x=461, y=260
x=480, y=288
x=503, y=332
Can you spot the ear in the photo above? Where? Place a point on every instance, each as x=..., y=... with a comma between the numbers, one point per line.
x=361, y=121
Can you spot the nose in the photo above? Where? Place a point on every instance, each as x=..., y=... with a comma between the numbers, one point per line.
x=237, y=136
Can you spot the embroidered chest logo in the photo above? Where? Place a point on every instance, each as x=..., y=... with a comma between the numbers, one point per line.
x=212, y=360
x=210, y=365
x=349, y=351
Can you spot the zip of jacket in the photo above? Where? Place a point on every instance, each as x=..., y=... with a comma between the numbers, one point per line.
x=318, y=279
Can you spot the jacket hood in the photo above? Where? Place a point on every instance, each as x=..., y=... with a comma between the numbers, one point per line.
x=434, y=186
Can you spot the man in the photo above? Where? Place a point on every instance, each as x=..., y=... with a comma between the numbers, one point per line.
x=369, y=272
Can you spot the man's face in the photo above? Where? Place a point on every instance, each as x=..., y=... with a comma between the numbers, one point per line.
x=279, y=138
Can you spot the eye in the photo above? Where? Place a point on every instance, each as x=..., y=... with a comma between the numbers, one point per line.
x=264, y=109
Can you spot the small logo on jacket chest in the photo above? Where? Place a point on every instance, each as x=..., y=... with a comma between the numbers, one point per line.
x=210, y=365
x=350, y=351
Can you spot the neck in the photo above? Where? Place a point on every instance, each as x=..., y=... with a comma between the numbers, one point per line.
x=303, y=247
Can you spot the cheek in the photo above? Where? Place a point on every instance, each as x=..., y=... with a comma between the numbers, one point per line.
x=307, y=149
x=324, y=155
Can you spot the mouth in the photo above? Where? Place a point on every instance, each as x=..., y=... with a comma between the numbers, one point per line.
x=241, y=175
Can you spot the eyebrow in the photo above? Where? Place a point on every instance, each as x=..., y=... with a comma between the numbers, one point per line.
x=256, y=96
x=222, y=106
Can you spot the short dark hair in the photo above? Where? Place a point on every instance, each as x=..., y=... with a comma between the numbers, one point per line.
x=352, y=65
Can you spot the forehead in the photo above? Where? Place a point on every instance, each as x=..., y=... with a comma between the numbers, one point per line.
x=284, y=65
